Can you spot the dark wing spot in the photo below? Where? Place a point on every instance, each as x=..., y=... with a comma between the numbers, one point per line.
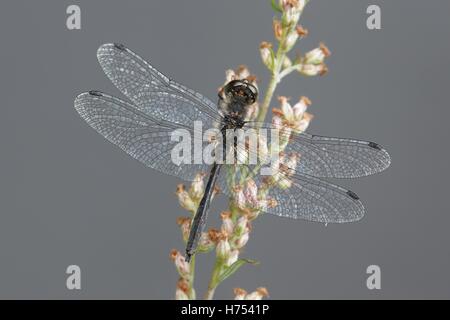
x=375, y=145
x=120, y=46
x=96, y=93
x=352, y=195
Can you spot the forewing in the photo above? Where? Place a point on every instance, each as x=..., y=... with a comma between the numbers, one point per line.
x=151, y=91
x=328, y=157
x=145, y=139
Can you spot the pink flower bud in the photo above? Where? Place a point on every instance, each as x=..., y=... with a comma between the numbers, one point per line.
x=232, y=258
x=303, y=124
x=241, y=241
x=277, y=122
x=223, y=249
x=241, y=226
x=300, y=107
x=258, y=294
x=229, y=75
x=286, y=108
x=313, y=70
x=242, y=72
x=227, y=223
x=265, y=50
x=317, y=55
x=205, y=243
x=265, y=204
x=185, y=199
x=251, y=193
x=239, y=294
x=182, y=266
x=277, y=29
x=239, y=197
x=185, y=226
x=180, y=295
x=290, y=40
x=197, y=186
x=182, y=290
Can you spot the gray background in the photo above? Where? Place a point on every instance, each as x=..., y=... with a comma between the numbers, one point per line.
x=69, y=197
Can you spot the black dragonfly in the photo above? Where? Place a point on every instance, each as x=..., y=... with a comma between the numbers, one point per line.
x=159, y=105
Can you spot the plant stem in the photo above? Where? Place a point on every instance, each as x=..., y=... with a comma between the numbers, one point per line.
x=191, y=281
x=210, y=294
x=213, y=281
x=267, y=98
x=275, y=78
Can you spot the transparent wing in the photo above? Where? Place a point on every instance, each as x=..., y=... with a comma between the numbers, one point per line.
x=304, y=196
x=145, y=139
x=328, y=157
x=313, y=199
x=151, y=91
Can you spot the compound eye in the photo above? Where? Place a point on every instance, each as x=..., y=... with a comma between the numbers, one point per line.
x=252, y=98
x=253, y=92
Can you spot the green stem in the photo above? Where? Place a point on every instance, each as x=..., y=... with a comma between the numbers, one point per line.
x=267, y=98
x=277, y=65
x=213, y=281
x=191, y=281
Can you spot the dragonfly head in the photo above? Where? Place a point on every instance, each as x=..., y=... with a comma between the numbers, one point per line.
x=240, y=91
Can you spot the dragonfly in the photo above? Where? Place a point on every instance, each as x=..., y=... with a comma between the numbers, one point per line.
x=158, y=105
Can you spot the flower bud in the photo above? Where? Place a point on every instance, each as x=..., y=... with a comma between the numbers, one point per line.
x=216, y=235
x=297, y=4
x=227, y=223
x=223, y=249
x=229, y=75
x=197, y=186
x=277, y=29
x=286, y=108
x=180, y=295
x=182, y=290
x=290, y=41
x=318, y=55
x=300, y=107
x=292, y=10
x=304, y=123
x=182, y=266
x=242, y=72
x=277, y=122
x=312, y=69
x=266, y=52
x=286, y=62
x=241, y=241
x=205, y=243
x=251, y=193
x=185, y=226
x=239, y=197
x=302, y=32
x=268, y=203
x=241, y=226
x=185, y=200
x=232, y=258
x=239, y=294
x=258, y=294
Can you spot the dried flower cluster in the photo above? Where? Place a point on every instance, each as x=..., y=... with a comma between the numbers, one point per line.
x=249, y=197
